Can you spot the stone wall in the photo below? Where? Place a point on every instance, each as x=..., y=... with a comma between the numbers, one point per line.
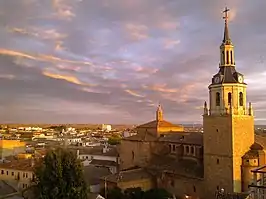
x=134, y=153
x=226, y=139
x=181, y=186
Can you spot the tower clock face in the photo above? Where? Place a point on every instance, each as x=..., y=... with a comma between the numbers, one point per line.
x=240, y=79
x=216, y=80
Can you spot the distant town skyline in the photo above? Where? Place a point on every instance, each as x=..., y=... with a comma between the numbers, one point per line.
x=78, y=61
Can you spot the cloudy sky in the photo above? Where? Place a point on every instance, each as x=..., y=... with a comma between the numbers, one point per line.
x=113, y=61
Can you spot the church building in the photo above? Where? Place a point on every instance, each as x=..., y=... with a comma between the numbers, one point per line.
x=195, y=164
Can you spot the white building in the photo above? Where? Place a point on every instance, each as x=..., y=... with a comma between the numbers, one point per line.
x=106, y=127
x=100, y=156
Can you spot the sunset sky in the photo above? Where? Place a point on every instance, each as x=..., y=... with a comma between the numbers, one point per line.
x=113, y=61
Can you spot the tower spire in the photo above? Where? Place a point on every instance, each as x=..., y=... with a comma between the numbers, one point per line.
x=226, y=39
x=227, y=57
x=159, y=113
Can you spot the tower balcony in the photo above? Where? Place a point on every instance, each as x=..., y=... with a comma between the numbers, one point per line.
x=227, y=111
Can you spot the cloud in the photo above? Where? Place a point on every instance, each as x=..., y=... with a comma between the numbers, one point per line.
x=137, y=31
x=84, y=61
x=67, y=78
x=133, y=93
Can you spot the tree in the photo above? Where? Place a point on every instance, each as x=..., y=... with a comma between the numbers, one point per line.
x=134, y=193
x=114, y=140
x=156, y=194
x=60, y=176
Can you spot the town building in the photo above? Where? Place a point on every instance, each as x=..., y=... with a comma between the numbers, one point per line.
x=11, y=147
x=195, y=164
x=18, y=173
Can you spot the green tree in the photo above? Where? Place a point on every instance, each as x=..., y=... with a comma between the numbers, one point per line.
x=114, y=140
x=156, y=194
x=60, y=176
x=133, y=193
x=115, y=193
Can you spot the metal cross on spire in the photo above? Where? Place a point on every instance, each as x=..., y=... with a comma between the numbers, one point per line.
x=225, y=17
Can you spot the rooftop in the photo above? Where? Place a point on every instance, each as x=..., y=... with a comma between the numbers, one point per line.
x=95, y=150
x=186, y=168
x=103, y=163
x=129, y=175
x=20, y=164
x=156, y=124
x=184, y=137
x=93, y=174
x=5, y=188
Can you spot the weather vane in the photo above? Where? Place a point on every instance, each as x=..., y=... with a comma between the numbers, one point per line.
x=225, y=17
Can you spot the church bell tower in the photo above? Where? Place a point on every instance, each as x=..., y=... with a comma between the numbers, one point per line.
x=228, y=123
x=159, y=113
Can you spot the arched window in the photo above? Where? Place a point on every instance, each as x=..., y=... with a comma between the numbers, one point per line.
x=192, y=150
x=223, y=58
x=227, y=57
x=187, y=149
x=241, y=100
x=229, y=98
x=133, y=155
x=231, y=57
x=218, y=100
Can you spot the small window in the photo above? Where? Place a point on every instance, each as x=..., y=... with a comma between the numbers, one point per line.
x=170, y=147
x=12, y=173
x=172, y=183
x=218, y=161
x=192, y=150
x=231, y=57
x=133, y=155
x=223, y=58
x=229, y=98
x=247, y=161
x=2, y=172
x=227, y=57
x=174, y=148
x=6, y=172
x=187, y=149
x=194, y=189
x=218, y=100
x=241, y=100
x=217, y=130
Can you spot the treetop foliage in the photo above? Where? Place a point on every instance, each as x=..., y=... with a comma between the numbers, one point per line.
x=60, y=176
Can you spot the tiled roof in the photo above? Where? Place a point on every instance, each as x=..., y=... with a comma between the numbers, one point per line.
x=260, y=139
x=155, y=124
x=96, y=150
x=103, y=162
x=93, y=174
x=185, y=168
x=21, y=164
x=143, y=136
x=129, y=175
x=184, y=138
x=5, y=188
x=251, y=154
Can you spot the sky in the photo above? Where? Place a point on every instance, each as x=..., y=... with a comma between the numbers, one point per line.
x=113, y=61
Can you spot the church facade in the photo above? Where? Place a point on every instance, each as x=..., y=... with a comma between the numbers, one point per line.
x=195, y=164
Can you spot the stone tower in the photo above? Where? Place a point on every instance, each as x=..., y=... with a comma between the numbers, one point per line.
x=159, y=113
x=228, y=123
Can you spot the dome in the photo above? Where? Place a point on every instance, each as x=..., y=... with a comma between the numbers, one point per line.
x=256, y=147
